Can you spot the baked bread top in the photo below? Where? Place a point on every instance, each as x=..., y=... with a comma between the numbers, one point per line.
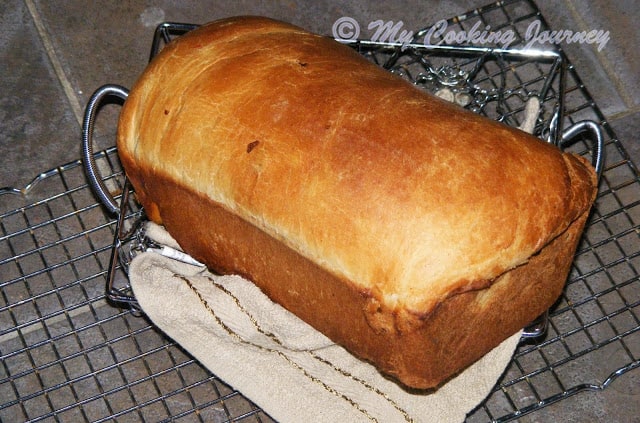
x=410, y=198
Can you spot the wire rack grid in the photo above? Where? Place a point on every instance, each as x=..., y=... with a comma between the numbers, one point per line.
x=69, y=354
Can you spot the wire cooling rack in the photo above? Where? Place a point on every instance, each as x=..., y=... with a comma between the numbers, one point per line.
x=69, y=354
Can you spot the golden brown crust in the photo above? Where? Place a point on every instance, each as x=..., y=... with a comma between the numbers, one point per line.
x=377, y=199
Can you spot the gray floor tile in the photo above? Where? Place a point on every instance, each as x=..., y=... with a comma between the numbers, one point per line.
x=35, y=119
x=620, y=56
x=618, y=403
x=627, y=129
x=597, y=76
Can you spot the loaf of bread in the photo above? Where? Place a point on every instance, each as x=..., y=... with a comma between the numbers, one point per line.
x=414, y=233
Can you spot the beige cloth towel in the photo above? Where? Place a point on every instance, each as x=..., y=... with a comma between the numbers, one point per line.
x=287, y=368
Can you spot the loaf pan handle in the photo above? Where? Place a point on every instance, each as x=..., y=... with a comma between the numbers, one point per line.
x=95, y=179
x=538, y=327
x=597, y=157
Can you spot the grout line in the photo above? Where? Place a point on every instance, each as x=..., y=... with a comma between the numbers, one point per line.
x=623, y=114
x=103, y=168
x=53, y=58
x=606, y=64
x=38, y=324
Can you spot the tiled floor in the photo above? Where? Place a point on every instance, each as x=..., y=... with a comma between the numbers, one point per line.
x=55, y=54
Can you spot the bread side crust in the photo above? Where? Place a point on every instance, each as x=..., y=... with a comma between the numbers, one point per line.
x=420, y=349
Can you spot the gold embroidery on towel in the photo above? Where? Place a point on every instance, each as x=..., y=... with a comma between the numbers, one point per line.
x=314, y=379
x=253, y=321
x=209, y=309
x=345, y=373
x=336, y=368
